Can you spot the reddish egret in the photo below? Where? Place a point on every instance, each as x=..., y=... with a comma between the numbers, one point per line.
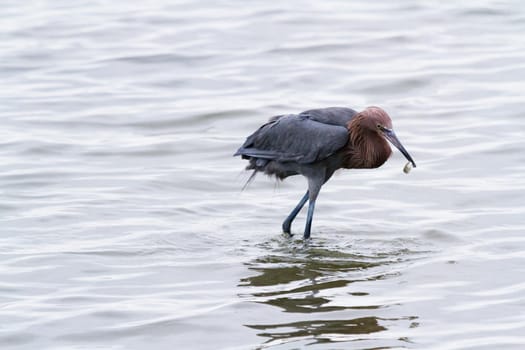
x=315, y=144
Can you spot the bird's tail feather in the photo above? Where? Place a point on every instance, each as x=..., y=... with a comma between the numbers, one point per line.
x=250, y=179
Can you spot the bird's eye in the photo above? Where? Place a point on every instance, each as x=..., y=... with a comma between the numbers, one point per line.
x=379, y=126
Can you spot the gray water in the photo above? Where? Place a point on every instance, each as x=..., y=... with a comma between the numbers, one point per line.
x=122, y=220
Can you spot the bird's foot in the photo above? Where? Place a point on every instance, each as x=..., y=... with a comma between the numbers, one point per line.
x=287, y=228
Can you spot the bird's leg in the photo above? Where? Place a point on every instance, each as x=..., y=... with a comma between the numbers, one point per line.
x=313, y=190
x=309, y=217
x=287, y=224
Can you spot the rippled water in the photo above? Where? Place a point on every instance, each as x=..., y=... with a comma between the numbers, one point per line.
x=123, y=224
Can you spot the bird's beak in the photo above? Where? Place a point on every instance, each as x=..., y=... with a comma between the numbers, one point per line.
x=391, y=136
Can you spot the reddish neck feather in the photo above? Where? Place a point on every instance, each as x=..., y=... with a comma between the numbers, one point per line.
x=365, y=148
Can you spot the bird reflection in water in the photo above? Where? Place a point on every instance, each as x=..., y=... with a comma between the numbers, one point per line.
x=311, y=282
x=322, y=330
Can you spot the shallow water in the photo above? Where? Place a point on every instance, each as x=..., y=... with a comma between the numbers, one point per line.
x=123, y=224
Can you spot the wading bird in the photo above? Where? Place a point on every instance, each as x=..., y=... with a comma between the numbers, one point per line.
x=315, y=144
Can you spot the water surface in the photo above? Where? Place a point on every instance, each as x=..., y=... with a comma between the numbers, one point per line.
x=122, y=220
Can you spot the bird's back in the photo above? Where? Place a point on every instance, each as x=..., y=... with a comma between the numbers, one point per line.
x=332, y=115
x=287, y=143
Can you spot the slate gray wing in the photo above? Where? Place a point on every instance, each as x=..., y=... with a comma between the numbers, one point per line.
x=294, y=138
x=331, y=115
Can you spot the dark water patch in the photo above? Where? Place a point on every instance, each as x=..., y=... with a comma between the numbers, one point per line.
x=149, y=151
x=204, y=120
x=17, y=339
x=308, y=305
x=397, y=85
x=163, y=58
x=321, y=49
x=365, y=325
x=485, y=12
x=329, y=330
x=13, y=70
x=85, y=123
x=112, y=315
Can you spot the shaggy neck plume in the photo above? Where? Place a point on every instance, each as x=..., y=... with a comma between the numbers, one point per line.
x=366, y=149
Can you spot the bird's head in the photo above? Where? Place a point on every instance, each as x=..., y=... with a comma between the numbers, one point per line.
x=377, y=120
